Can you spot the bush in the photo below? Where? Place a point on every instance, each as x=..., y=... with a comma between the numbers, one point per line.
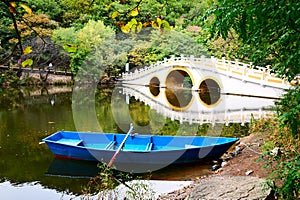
x=288, y=110
x=285, y=177
x=283, y=134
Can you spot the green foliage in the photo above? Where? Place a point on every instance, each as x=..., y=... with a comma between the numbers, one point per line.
x=140, y=191
x=283, y=166
x=93, y=34
x=154, y=13
x=269, y=31
x=220, y=47
x=80, y=43
x=110, y=57
x=187, y=82
x=54, y=9
x=64, y=36
x=77, y=59
x=168, y=10
x=203, y=129
x=285, y=178
x=175, y=43
x=9, y=79
x=107, y=179
x=235, y=130
x=232, y=130
x=163, y=45
x=6, y=33
x=170, y=127
x=288, y=110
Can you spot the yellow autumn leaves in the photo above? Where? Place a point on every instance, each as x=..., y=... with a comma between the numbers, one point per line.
x=136, y=26
x=134, y=12
x=12, y=8
x=132, y=26
x=28, y=61
x=13, y=5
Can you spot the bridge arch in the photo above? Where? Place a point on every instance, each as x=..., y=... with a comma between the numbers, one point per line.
x=179, y=82
x=154, y=86
x=209, y=91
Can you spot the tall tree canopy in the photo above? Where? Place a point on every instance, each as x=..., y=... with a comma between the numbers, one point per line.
x=269, y=30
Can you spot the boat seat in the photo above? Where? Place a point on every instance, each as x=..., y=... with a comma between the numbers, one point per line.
x=110, y=145
x=72, y=142
x=149, y=146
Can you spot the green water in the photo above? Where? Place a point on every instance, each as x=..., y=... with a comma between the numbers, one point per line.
x=28, y=115
x=26, y=119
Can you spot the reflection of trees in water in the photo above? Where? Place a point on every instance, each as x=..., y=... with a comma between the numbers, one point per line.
x=139, y=113
x=179, y=98
x=25, y=121
x=19, y=97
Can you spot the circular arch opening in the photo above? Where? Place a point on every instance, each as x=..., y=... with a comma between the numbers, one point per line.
x=178, y=89
x=209, y=91
x=154, y=86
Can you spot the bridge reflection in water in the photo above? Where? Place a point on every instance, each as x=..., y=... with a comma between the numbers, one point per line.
x=235, y=109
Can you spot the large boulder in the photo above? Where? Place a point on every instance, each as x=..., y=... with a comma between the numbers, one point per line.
x=230, y=188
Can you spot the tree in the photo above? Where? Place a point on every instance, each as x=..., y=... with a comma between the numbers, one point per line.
x=53, y=9
x=162, y=45
x=10, y=11
x=268, y=29
x=132, y=15
x=25, y=27
x=80, y=43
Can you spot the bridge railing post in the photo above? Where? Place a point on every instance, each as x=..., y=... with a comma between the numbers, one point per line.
x=172, y=58
x=182, y=57
x=227, y=66
x=192, y=58
x=244, y=70
x=237, y=64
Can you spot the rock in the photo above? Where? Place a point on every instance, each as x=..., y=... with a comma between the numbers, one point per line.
x=215, y=167
x=229, y=188
x=237, y=151
x=223, y=164
x=226, y=156
x=275, y=151
x=248, y=172
x=218, y=170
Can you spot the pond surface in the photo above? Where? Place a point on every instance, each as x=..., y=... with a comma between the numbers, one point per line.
x=26, y=117
x=28, y=169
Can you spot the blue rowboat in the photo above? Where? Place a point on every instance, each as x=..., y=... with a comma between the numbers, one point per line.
x=138, y=150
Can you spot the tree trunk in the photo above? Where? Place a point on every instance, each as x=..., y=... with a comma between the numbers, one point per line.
x=19, y=72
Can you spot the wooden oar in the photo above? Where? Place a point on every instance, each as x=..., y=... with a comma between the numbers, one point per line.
x=115, y=156
x=112, y=160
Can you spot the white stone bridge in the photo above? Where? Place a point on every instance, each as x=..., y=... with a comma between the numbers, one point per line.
x=206, y=90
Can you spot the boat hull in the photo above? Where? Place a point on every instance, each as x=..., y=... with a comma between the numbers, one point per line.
x=144, y=152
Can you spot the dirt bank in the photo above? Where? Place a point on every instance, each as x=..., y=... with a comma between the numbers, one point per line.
x=243, y=164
